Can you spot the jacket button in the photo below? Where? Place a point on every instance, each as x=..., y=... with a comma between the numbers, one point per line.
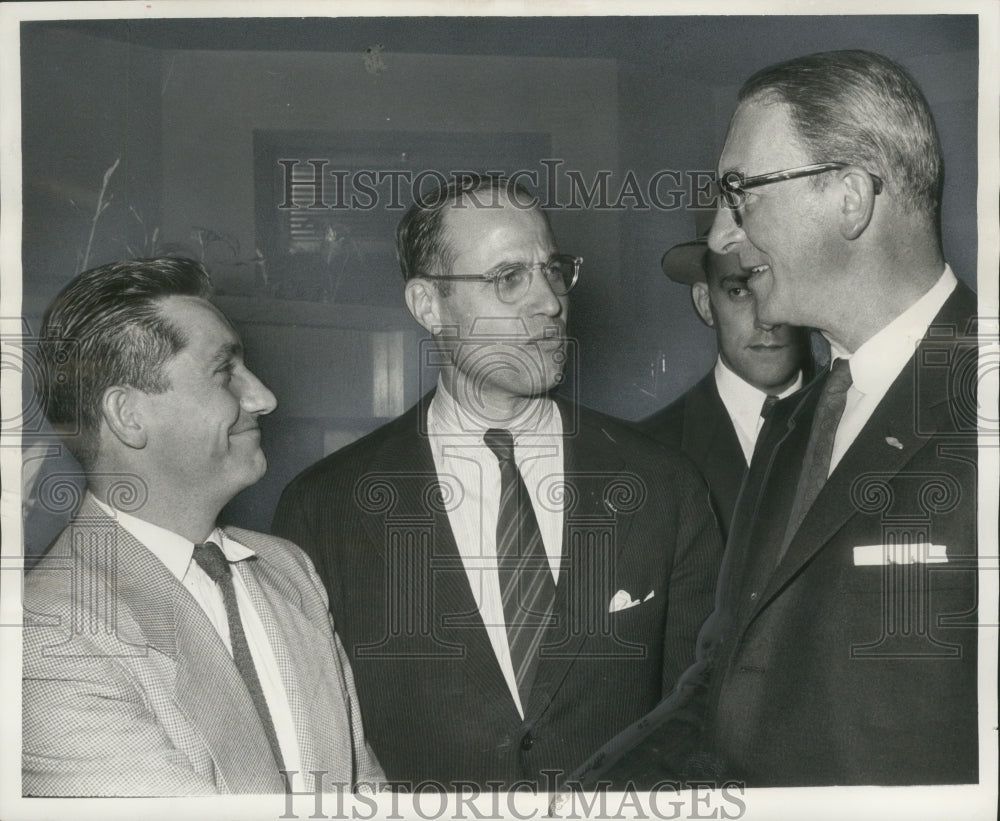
x=527, y=742
x=753, y=596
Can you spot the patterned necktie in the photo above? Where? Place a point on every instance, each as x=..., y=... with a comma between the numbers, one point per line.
x=526, y=582
x=816, y=466
x=211, y=559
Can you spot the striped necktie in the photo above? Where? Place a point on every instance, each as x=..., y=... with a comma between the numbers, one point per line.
x=526, y=582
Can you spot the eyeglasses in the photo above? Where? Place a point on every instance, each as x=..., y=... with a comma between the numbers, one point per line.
x=733, y=185
x=513, y=281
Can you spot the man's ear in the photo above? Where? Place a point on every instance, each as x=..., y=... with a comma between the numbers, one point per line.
x=121, y=414
x=702, y=303
x=858, y=191
x=422, y=298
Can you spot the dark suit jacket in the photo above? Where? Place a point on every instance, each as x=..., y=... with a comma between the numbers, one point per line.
x=821, y=671
x=699, y=425
x=128, y=689
x=435, y=703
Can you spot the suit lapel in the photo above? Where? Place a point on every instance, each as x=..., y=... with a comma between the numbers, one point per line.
x=207, y=687
x=404, y=469
x=832, y=508
x=401, y=483
x=709, y=436
x=597, y=486
x=211, y=693
x=300, y=652
x=593, y=470
x=710, y=439
x=902, y=424
x=772, y=480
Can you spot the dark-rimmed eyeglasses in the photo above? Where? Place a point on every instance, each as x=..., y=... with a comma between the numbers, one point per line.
x=733, y=184
x=513, y=280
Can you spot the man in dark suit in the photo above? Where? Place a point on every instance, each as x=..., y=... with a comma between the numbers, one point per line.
x=717, y=421
x=495, y=641
x=844, y=647
x=164, y=655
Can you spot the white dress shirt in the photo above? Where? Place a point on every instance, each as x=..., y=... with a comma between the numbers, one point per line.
x=470, y=471
x=176, y=553
x=744, y=403
x=877, y=363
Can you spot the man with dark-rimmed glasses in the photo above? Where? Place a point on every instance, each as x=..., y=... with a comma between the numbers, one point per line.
x=843, y=648
x=516, y=578
x=733, y=185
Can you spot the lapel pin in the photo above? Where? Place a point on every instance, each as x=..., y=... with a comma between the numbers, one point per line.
x=892, y=440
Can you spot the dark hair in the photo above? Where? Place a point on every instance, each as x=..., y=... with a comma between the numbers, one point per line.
x=105, y=329
x=864, y=109
x=421, y=244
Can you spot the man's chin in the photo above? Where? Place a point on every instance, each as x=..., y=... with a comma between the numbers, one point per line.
x=775, y=383
x=549, y=382
x=254, y=472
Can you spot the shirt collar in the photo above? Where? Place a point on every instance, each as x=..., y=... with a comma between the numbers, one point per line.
x=877, y=363
x=170, y=548
x=743, y=400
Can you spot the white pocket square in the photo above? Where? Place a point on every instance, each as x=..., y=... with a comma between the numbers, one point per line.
x=869, y=555
x=622, y=601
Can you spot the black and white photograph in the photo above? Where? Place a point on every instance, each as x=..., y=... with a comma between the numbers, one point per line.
x=483, y=410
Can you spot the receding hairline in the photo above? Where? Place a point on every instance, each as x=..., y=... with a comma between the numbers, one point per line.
x=232, y=347
x=861, y=107
x=769, y=99
x=456, y=206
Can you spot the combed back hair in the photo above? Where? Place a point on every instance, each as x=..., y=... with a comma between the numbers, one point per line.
x=864, y=109
x=104, y=329
x=422, y=247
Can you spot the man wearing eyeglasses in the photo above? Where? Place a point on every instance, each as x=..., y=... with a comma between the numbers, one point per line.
x=843, y=650
x=516, y=578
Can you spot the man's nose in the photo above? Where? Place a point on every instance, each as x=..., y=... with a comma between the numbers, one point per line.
x=542, y=295
x=725, y=234
x=255, y=397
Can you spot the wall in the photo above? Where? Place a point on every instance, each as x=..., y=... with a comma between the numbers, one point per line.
x=669, y=128
x=214, y=101
x=612, y=100
x=86, y=103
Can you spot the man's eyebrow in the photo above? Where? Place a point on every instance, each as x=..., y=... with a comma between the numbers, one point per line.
x=507, y=263
x=734, y=279
x=227, y=352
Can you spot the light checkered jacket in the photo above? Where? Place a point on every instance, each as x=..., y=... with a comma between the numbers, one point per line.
x=128, y=689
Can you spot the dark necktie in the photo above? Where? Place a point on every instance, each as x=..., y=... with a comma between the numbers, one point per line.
x=525, y=578
x=769, y=402
x=211, y=559
x=816, y=466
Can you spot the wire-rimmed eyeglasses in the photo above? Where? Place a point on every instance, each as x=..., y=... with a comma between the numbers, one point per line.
x=513, y=280
x=733, y=184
